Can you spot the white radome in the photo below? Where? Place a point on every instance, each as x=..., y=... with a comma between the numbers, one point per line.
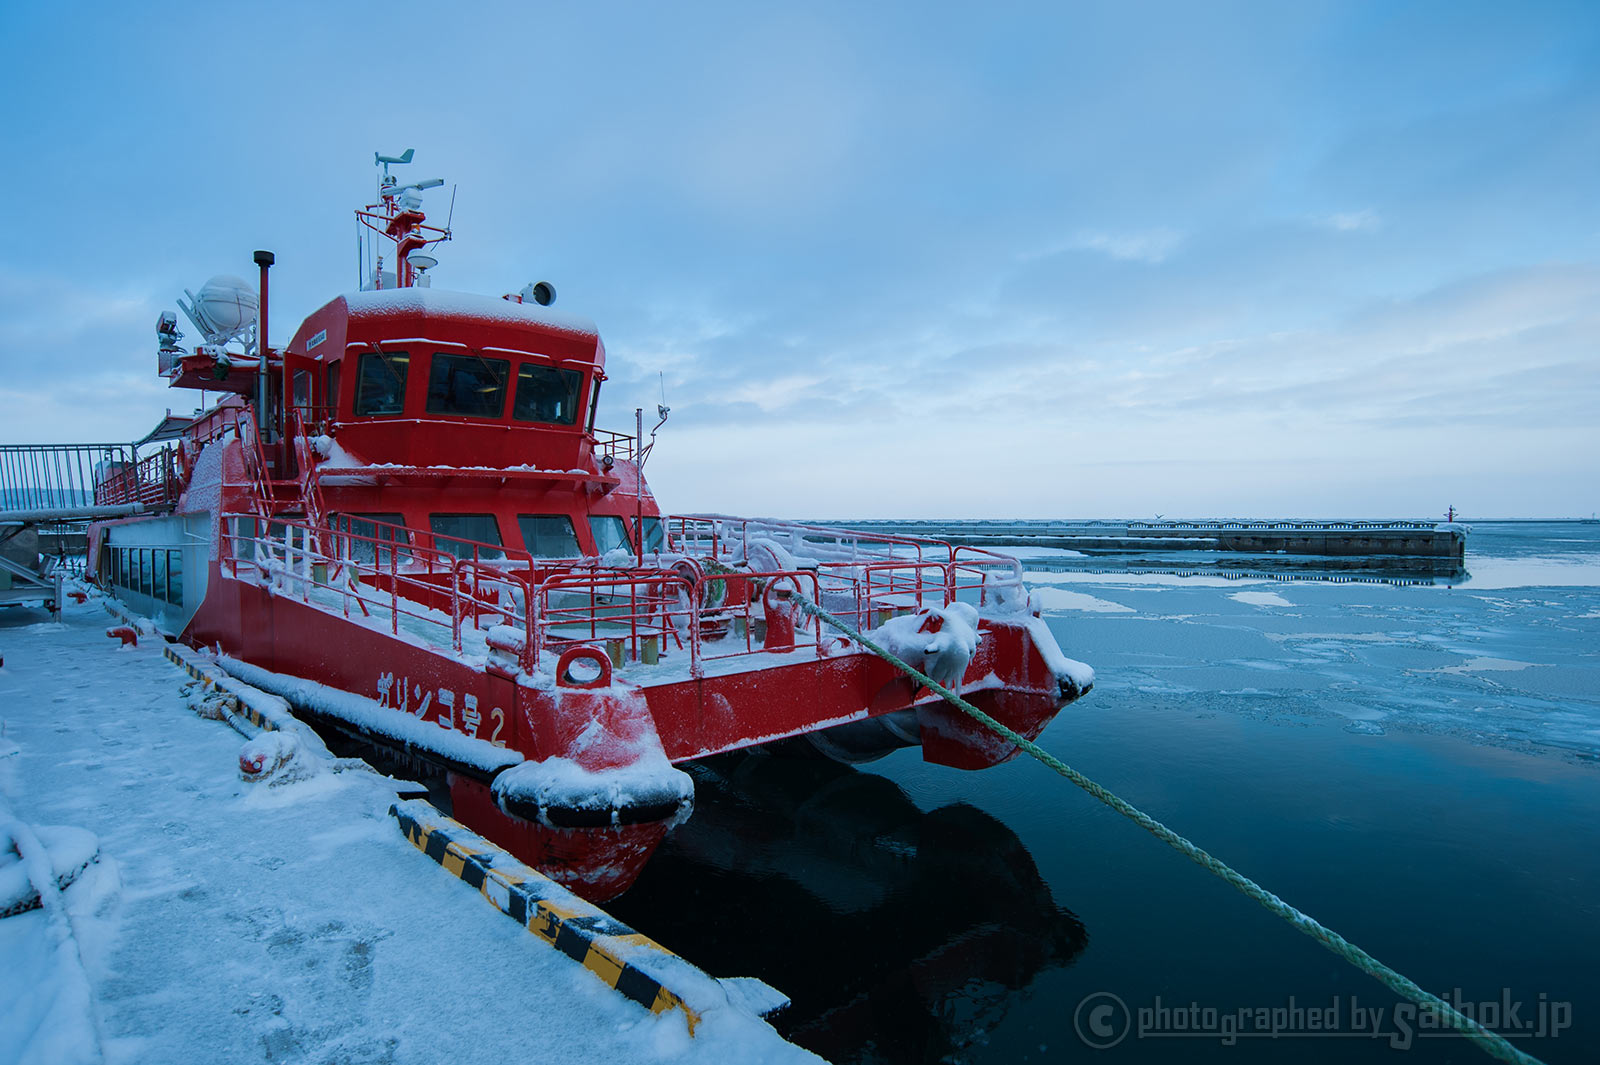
x=229, y=303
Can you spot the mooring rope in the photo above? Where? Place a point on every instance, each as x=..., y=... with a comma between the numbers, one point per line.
x=1491, y=1042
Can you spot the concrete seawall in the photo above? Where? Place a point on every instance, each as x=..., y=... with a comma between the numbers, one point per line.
x=1398, y=539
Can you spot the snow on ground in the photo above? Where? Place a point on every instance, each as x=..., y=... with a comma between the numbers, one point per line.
x=1260, y=599
x=227, y=921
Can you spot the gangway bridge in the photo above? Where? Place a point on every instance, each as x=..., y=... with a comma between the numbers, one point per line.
x=49, y=493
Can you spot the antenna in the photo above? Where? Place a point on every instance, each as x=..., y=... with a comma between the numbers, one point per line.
x=662, y=410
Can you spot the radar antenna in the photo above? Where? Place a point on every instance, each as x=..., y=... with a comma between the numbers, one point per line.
x=398, y=215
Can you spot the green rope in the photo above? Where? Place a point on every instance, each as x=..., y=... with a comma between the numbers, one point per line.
x=1491, y=1042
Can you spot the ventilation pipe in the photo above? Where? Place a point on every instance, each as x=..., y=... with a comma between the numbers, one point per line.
x=264, y=259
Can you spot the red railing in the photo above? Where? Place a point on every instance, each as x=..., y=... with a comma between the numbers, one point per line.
x=442, y=594
x=517, y=605
x=861, y=571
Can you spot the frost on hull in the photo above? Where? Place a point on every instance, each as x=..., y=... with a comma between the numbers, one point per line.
x=406, y=523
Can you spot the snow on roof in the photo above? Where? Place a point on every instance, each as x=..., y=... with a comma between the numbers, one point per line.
x=432, y=301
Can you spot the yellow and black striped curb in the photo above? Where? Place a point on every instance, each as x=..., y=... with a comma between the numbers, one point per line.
x=632, y=964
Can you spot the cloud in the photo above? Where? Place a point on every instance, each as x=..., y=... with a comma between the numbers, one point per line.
x=1365, y=220
x=1139, y=246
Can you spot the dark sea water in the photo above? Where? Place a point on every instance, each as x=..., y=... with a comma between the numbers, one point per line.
x=1415, y=764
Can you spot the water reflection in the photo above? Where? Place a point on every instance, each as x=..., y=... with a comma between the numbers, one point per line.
x=900, y=936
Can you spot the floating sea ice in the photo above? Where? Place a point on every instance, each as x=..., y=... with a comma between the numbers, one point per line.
x=1062, y=599
x=1260, y=599
x=1486, y=665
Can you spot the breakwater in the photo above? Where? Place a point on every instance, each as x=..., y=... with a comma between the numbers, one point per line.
x=1396, y=539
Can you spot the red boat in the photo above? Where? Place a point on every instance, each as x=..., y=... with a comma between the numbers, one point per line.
x=407, y=523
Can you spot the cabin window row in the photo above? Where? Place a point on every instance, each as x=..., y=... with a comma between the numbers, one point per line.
x=543, y=535
x=153, y=571
x=470, y=386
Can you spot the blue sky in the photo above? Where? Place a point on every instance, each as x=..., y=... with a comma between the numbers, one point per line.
x=1019, y=260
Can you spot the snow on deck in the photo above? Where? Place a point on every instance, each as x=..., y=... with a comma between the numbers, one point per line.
x=227, y=921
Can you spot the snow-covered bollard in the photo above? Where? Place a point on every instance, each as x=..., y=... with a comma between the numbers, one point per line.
x=126, y=633
x=277, y=758
x=939, y=641
x=1004, y=594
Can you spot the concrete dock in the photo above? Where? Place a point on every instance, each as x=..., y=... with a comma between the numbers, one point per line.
x=226, y=920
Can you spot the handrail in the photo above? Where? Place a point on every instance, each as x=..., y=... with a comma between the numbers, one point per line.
x=555, y=603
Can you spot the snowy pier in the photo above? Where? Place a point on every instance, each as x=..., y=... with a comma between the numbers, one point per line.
x=234, y=920
x=1378, y=539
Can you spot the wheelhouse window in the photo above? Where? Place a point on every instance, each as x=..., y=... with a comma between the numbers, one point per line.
x=462, y=534
x=548, y=535
x=381, y=382
x=609, y=533
x=547, y=395
x=655, y=537
x=360, y=537
x=468, y=385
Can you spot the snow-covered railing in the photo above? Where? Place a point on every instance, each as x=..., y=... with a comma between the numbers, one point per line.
x=875, y=570
x=423, y=589
x=503, y=603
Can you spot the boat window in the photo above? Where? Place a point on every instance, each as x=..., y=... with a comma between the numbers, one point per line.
x=300, y=393
x=330, y=398
x=175, y=577
x=547, y=395
x=655, y=538
x=159, y=574
x=594, y=404
x=291, y=528
x=548, y=535
x=469, y=385
x=461, y=534
x=361, y=533
x=381, y=382
x=144, y=571
x=609, y=533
